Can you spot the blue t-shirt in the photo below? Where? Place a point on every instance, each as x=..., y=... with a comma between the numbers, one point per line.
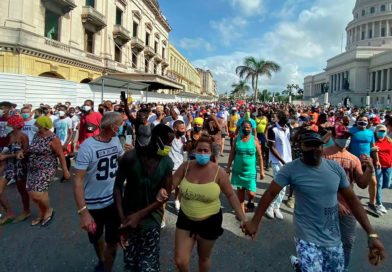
x=239, y=125
x=361, y=141
x=316, y=218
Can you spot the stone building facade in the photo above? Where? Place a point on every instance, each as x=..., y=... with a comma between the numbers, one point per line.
x=361, y=74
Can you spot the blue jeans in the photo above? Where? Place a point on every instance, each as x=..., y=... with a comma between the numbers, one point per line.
x=384, y=176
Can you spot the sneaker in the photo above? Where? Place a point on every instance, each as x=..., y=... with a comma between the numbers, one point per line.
x=177, y=205
x=373, y=208
x=278, y=214
x=270, y=213
x=290, y=202
x=163, y=224
x=11, y=182
x=382, y=209
x=294, y=263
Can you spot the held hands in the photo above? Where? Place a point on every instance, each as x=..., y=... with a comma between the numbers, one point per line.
x=162, y=196
x=249, y=228
x=131, y=221
x=376, y=251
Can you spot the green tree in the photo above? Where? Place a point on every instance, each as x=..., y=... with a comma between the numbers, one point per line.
x=254, y=68
x=240, y=89
x=265, y=95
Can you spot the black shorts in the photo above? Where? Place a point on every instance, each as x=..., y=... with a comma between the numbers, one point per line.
x=106, y=218
x=209, y=229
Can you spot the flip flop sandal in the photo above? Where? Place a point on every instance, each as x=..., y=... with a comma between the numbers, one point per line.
x=47, y=220
x=7, y=221
x=38, y=221
x=21, y=219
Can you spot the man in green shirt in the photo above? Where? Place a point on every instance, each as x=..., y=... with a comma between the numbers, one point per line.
x=146, y=171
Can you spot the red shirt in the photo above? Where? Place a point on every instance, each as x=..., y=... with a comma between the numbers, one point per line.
x=94, y=119
x=385, y=153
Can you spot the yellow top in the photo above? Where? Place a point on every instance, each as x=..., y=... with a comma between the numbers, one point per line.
x=233, y=122
x=199, y=200
x=261, y=125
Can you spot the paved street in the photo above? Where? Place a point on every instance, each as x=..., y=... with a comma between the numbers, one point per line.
x=64, y=247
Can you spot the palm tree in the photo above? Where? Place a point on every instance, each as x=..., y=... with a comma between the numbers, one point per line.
x=240, y=89
x=253, y=68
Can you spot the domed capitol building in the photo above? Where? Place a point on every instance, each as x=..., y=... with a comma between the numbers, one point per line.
x=361, y=75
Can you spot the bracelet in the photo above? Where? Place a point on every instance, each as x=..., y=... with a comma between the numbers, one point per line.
x=373, y=235
x=82, y=209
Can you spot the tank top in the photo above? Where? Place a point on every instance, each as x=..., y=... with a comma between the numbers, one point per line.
x=199, y=200
x=261, y=125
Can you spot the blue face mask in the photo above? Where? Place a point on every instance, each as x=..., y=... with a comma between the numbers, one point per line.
x=120, y=132
x=203, y=159
x=381, y=134
x=25, y=115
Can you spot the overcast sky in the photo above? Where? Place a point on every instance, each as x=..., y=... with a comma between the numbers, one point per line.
x=300, y=35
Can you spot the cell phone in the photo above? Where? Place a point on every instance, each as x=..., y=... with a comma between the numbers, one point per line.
x=123, y=96
x=128, y=139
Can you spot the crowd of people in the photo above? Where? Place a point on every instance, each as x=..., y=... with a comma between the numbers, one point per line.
x=129, y=158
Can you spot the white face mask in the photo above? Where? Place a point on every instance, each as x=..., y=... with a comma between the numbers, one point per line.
x=87, y=108
x=1, y=112
x=343, y=143
x=61, y=113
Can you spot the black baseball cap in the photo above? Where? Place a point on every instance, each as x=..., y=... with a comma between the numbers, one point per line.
x=311, y=137
x=7, y=104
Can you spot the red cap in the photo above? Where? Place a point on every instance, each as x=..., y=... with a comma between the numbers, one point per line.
x=376, y=120
x=341, y=130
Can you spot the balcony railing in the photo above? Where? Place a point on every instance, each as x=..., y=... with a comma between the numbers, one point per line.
x=137, y=44
x=59, y=7
x=158, y=58
x=57, y=44
x=93, y=19
x=121, y=34
x=149, y=51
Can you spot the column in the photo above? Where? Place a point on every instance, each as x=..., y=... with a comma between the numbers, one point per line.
x=380, y=26
x=367, y=31
x=330, y=84
x=371, y=86
x=387, y=30
x=336, y=82
x=342, y=83
x=360, y=32
x=388, y=87
x=373, y=28
x=382, y=81
x=376, y=85
x=353, y=35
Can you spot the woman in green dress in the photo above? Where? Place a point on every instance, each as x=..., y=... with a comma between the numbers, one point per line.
x=244, y=173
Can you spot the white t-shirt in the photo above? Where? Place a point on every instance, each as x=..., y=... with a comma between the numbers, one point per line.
x=99, y=159
x=62, y=127
x=53, y=118
x=152, y=118
x=177, y=152
x=75, y=121
x=30, y=129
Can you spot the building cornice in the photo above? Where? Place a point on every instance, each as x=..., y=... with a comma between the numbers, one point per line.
x=154, y=7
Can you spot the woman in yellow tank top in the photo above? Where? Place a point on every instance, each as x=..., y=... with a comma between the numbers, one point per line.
x=200, y=218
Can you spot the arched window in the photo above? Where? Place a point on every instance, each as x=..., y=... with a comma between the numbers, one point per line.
x=382, y=8
x=51, y=75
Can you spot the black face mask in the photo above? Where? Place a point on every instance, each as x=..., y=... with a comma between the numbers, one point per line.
x=283, y=121
x=311, y=157
x=245, y=132
x=197, y=129
x=180, y=133
x=158, y=114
